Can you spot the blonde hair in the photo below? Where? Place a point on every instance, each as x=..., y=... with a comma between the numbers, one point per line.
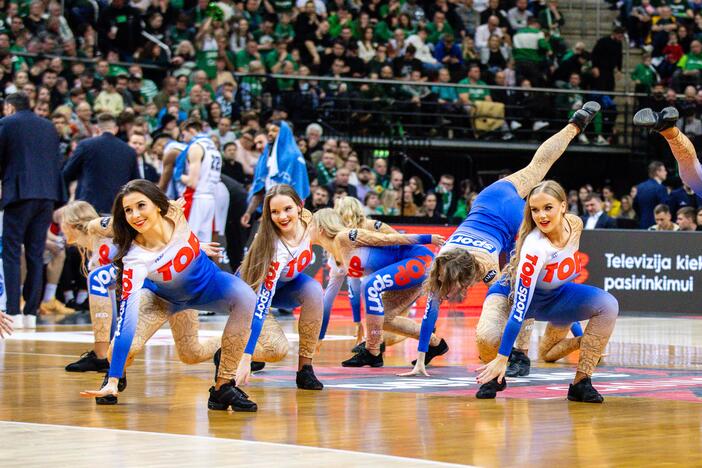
x=78, y=215
x=549, y=187
x=389, y=200
x=351, y=212
x=260, y=255
x=329, y=222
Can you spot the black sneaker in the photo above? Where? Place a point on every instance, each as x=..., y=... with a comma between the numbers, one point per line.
x=362, y=345
x=434, y=351
x=584, y=391
x=88, y=362
x=306, y=380
x=657, y=121
x=519, y=364
x=82, y=306
x=111, y=399
x=489, y=390
x=255, y=365
x=583, y=116
x=230, y=395
x=364, y=358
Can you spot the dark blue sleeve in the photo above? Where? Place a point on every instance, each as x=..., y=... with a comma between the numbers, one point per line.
x=74, y=165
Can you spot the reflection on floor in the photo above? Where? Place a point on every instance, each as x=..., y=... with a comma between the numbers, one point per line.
x=651, y=379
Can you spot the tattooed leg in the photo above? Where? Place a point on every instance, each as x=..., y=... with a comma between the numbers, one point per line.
x=185, y=328
x=153, y=313
x=272, y=345
x=491, y=325
x=241, y=300
x=396, y=300
x=101, y=318
x=686, y=156
x=397, y=304
x=524, y=336
x=597, y=334
x=547, y=154
x=554, y=345
x=310, y=296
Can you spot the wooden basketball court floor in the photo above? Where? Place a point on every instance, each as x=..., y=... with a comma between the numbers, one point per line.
x=651, y=380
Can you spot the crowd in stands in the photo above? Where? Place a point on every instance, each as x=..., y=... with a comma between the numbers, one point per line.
x=234, y=66
x=187, y=56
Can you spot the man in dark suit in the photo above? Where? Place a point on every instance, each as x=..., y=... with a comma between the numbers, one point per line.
x=682, y=197
x=341, y=180
x=596, y=218
x=30, y=164
x=650, y=194
x=137, y=141
x=102, y=165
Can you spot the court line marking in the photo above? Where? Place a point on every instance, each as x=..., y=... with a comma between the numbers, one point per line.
x=224, y=440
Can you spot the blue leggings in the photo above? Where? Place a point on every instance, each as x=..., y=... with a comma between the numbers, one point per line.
x=571, y=303
x=404, y=274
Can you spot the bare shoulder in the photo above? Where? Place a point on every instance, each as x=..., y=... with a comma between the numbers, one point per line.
x=576, y=223
x=100, y=227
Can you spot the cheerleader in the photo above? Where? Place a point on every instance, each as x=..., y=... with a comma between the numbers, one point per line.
x=92, y=235
x=385, y=262
x=471, y=254
x=162, y=273
x=540, y=286
x=352, y=215
x=274, y=267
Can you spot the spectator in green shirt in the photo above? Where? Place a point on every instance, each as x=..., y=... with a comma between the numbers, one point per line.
x=247, y=55
x=644, y=75
x=470, y=95
x=438, y=27
x=690, y=68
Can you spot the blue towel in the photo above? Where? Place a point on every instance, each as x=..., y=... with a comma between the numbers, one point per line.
x=284, y=165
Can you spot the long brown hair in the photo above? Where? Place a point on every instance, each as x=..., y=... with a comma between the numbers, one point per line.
x=78, y=214
x=550, y=187
x=124, y=233
x=260, y=255
x=459, y=268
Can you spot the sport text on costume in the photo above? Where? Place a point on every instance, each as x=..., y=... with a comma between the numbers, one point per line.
x=521, y=294
x=470, y=240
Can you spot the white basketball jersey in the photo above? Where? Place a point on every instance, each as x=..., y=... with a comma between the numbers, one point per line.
x=210, y=169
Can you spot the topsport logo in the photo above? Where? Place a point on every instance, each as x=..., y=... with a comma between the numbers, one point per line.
x=473, y=241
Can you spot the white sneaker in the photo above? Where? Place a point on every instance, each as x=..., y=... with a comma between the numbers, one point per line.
x=583, y=139
x=514, y=125
x=30, y=322
x=17, y=321
x=539, y=124
x=601, y=141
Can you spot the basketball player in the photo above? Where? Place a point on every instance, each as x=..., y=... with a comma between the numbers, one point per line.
x=204, y=165
x=472, y=252
x=162, y=272
x=386, y=262
x=540, y=284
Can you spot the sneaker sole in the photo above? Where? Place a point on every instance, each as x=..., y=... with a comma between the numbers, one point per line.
x=245, y=410
x=225, y=406
x=584, y=401
x=363, y=365
x=102, y=401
